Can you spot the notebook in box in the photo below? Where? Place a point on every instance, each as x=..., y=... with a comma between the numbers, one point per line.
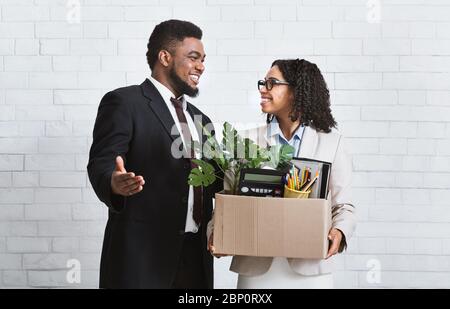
x=320, y=188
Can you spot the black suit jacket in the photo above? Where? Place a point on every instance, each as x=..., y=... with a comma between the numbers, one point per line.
x=144, y=233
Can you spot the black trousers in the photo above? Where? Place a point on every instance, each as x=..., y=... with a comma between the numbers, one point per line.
x=190, y=272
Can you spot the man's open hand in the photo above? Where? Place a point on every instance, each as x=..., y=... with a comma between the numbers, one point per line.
x=123, y=183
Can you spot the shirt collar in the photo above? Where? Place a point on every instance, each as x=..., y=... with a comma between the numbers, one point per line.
x=166, y=94
x=274, y=130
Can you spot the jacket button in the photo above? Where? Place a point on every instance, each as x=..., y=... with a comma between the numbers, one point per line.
x=184, y=199
x=187, y=166
x=181, y=232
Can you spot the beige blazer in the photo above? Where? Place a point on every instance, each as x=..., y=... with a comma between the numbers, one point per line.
x=325, y=147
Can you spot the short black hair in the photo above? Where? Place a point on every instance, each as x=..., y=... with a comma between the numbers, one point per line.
x=167, y=34
x=311, y=95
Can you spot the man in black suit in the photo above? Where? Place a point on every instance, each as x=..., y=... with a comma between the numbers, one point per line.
x=139, y=164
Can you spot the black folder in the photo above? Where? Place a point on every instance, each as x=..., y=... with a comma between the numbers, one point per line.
x=320, y=188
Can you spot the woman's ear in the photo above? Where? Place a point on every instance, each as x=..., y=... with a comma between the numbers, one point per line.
x=164, y=57
x=291, y=96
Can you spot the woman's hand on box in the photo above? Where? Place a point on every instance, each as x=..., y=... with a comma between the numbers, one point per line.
x=335, y=236
x=211, y=247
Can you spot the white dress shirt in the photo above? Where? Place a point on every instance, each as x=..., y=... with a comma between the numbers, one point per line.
x=166, y=94
x=273, y=130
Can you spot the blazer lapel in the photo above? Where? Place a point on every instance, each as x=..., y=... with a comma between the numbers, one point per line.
x=309, y=143
x=159, y=107
x=263, y=133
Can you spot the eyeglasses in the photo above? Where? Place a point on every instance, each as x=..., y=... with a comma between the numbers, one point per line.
x=269, y=83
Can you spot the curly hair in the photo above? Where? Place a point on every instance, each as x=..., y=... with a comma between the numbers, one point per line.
x=311, y=95
x=167, y=34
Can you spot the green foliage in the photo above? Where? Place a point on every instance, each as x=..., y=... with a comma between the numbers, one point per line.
x=234, y=154
x=202, y=175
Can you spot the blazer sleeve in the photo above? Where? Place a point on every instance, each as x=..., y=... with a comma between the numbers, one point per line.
x=343, y=211
x=113, y=131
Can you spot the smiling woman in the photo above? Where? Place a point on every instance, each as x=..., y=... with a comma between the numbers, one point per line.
x=295, y=97
x=308, y=95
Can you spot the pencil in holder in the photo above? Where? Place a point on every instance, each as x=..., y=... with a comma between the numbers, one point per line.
x=291, y=193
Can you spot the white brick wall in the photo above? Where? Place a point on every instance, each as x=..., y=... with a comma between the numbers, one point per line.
x=390, y=89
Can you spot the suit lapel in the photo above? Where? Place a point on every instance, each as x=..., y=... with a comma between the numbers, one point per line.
x=198, y=125
x=159, y=108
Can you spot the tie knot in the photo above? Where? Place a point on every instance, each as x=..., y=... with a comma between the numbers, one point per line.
x=176, y=103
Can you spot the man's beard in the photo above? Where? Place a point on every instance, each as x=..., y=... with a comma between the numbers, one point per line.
x=181, y=86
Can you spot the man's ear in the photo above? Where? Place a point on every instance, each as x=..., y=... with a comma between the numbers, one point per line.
x=164, y=57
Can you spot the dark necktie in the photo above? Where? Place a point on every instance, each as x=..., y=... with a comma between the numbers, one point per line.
x=188, y=143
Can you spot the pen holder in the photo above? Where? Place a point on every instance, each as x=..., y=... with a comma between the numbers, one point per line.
x=291, y=193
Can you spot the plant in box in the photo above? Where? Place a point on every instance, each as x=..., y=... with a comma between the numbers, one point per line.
x=232, y=155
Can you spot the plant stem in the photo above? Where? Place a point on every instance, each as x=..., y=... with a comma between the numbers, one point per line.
x=235, y=182
x=219, y=177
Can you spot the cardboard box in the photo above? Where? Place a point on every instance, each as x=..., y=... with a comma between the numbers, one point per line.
x=265, y=226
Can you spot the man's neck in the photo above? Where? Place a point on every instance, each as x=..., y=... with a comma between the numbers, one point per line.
x=165, y=81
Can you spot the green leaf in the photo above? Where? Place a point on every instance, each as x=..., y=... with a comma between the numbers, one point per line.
x=202, y=175
x=279, y=155
x=229, y=141
x=212, y=150
x=286, y=154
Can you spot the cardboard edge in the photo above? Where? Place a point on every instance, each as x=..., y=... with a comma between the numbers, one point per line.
x=218, y=213
x=327, y=226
